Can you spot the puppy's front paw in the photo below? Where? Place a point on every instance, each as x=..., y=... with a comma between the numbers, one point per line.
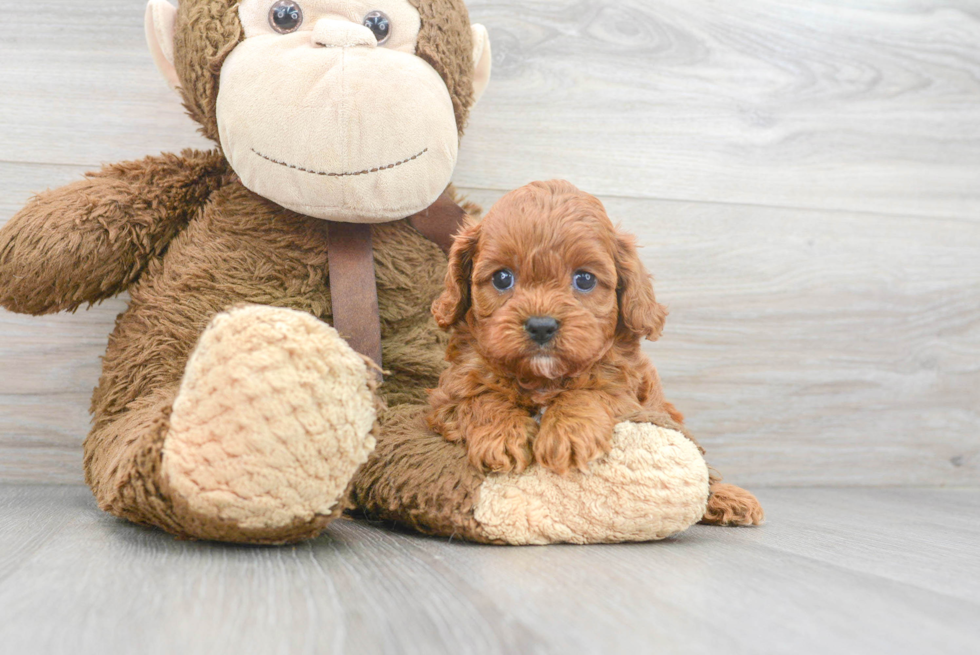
x=503, y=446
x=562, y=444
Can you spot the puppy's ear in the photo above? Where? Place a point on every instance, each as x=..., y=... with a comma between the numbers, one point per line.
x=640, y=315
x=450, y=307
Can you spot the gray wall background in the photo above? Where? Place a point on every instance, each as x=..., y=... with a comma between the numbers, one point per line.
x=805, y=176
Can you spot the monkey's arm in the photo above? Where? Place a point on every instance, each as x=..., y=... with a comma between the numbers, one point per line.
x=91, y=239
x=653, y=483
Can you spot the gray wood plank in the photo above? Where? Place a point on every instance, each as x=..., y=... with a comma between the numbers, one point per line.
x=805, y=347
x=855, y=571
x=871, y=106
x=41, y=435
x=926, y=538
x=80, y=87
x=22, y=180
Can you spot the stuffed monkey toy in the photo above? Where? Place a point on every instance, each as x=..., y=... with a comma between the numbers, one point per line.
x=270, y=279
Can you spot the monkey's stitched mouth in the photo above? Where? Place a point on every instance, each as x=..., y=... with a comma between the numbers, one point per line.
x=366, y=171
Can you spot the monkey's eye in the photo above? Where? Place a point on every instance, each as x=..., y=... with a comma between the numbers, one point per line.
x=378, y=23
x=285, y=16
x=503, y=280
x=584, y=281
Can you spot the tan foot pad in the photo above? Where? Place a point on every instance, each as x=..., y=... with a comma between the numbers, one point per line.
x=652, y=485
x=274, y=415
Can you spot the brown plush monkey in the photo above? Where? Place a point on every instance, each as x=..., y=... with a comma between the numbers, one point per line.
x=228, y=408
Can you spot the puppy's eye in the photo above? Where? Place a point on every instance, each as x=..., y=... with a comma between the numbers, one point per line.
x=584, y=281
x=503, y=280
x=378, y=23
x=285, y=16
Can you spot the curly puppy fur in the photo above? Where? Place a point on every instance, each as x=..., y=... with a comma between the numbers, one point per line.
x=588, y=376
x=729, y=505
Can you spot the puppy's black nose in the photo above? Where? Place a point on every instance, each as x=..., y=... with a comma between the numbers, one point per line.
x=541, y=329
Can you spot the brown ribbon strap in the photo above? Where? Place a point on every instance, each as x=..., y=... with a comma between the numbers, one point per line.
x=353, y=291
x=353, y=287
x=440, y=222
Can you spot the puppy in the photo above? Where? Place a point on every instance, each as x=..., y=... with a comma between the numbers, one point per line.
x=547, y=305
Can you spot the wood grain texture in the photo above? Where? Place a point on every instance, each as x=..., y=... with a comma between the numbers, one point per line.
x=805, y=347
x=822, y=278
x=79, y=87
x=833, y=571
x=870, y=105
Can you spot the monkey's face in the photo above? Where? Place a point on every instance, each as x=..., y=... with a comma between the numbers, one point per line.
x=325, y=109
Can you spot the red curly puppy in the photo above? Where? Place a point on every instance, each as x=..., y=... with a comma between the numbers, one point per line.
x=547, y=304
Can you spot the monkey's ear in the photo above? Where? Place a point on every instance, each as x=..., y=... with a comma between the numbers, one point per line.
x=640, y=314
x=159, y=25
x=450, y=307
x=482, y=60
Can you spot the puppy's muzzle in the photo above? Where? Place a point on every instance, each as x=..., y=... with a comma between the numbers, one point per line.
x=541, y=329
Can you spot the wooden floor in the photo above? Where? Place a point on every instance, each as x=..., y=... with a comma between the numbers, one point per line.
x=833, y=571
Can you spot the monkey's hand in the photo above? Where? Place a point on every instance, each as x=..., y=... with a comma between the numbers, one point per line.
x=91, y=239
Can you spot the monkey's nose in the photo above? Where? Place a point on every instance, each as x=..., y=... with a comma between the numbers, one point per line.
x=332, y=33
x=541, y=329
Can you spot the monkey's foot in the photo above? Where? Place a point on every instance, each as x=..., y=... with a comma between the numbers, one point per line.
x=651, y=485
x=729, y=505
x=274, y=415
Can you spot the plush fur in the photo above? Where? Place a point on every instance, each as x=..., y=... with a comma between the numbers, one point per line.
x=189, y=243
x=241, y=249
x=208, y=30
x=653, y=484
x=648, y=466
x=731, y=505
x=264, y=439
x=591, y=375
x=446, y=42
x=215, y=269
x=92, y=239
